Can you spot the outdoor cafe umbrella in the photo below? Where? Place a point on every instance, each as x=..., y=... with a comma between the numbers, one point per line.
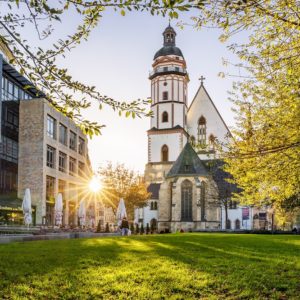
x=81, y=213
x=121, y=211
x=26, y=207
x=58, y=209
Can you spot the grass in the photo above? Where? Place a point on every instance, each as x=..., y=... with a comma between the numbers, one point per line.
x=175, y=266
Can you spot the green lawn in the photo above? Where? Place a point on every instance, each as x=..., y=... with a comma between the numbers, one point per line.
x=174, y=266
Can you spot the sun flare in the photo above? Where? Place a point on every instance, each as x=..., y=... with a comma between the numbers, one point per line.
x=95, y=184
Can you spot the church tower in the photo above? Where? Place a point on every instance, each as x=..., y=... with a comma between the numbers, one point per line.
x=169, y=82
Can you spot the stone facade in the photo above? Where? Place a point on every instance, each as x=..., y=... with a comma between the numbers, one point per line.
x=34, y=139
x=172, y=162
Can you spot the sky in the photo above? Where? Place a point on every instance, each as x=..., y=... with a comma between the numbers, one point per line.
x=117, y=59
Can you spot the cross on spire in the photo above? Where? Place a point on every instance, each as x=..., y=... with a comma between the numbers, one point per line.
x=202, y=78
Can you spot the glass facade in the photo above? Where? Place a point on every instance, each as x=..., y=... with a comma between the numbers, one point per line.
x=11, y=92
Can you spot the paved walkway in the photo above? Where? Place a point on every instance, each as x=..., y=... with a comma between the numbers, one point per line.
x=9, y=238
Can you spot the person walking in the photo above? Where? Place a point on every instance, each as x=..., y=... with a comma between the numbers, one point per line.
x=124, y=226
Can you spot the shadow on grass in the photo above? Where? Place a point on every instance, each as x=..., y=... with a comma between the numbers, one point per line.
x=148, y=267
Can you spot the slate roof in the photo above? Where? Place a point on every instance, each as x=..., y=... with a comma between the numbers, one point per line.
x=153, y=188
x=168, y=50
x=188, y=163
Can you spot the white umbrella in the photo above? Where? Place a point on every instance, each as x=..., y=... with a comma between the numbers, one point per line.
x=26, y=206
x=81, y=213
x=58, y=209
x=121, y=211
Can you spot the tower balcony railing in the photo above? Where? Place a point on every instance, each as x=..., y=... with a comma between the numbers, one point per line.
x=170, y=69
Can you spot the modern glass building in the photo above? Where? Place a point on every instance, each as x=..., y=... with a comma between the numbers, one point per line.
x=12, y=91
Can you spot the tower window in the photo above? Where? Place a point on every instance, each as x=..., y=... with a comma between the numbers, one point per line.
x=202, y=131
x=165, y=69
x=165, y=83
x=165, y=95
x=165, y=117
x=164, y=153
x=212, y=141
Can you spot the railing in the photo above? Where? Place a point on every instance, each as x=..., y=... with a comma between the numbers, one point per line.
x=168, y=69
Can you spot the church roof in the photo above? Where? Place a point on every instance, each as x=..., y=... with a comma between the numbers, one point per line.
x=188, y=163
x=169, y=47
x=211, y=101
x=153, y=188
x=168, y=50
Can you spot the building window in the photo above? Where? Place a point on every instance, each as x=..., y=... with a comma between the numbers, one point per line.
x=50, y=157
x=72, y=166
x=202, y=131
x=232, y=204
x=10, y=91
x=165, y=83
x=228, y=224
x=81, y=168
x=212, y=141
x=165, y=117
x=62, y=162
x=9, y=149
x=62, y=187
x=237, y=224
x=202, y=201
x=81, y=146
x=51, y=127
x=186, y=200
x=165, y=69
x=50, y=185
x=153, y=205
x=177, y=69
x=165, y=95
x=73, y=138
x=12, y=118
x=165, y=153
x=63, y=134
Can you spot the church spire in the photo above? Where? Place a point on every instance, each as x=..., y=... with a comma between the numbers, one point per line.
x=169, y=36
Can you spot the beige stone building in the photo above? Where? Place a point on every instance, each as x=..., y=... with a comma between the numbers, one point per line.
x=53, y=158
x=188, y=196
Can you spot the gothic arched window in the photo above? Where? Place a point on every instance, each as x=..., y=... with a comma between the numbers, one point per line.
x=165, y=117
x=202, y=131
x=186, y=201
x=212, y=141
x=155, y=205
x=164, y=153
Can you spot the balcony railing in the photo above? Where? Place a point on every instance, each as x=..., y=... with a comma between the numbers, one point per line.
x=167, y=70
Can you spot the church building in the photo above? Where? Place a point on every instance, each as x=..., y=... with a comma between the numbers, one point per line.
x=181, y=142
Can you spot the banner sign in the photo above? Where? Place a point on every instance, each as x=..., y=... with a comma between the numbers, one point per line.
x=245, y=213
